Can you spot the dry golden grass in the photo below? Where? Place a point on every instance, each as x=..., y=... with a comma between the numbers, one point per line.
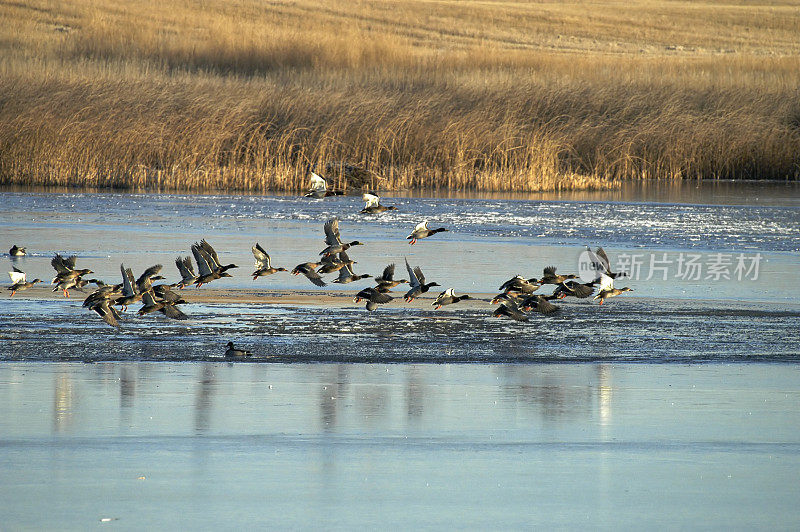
x=519, y=96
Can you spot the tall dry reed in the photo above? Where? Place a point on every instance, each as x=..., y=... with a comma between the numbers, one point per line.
x=244, y=96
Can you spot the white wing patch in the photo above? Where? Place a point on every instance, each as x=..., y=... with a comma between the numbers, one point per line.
x=17, y=277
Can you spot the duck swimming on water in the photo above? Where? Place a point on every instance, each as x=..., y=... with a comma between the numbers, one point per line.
x=233, y=352
x=17, y=251
x=318, y=186
x=374, y=206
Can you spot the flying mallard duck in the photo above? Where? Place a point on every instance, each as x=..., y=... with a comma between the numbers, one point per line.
x=263, y=263
x=19, y=281
x=448, y=297
x=607, y=289
x=334, y=239
x=422, y=231
x=417, y=281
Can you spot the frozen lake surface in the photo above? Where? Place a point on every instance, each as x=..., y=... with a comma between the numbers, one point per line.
x=538, y=425
x=399, y=446
x=713, y=278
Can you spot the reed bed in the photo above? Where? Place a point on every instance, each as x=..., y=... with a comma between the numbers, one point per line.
x=463, y=96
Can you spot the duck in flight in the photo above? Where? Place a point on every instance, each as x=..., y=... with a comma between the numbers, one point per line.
x=386, y=280
x=263, y=263
x=334, y=239
x=309, y=269
x=19, y=281
x=607, y=289
x=448, y=297
x=373, y=298
x=422, y=231
x=417, y=281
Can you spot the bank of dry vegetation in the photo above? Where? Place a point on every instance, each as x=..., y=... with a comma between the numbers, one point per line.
x=518, y=96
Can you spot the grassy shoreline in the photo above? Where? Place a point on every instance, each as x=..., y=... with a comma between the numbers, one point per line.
x=466, y=96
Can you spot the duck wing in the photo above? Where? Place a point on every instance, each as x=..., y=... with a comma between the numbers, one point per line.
x=371, y=199
x=147, y=299
x=203, y=260
x=17, y=276
x=262, y=257
x=580, y=290
x=543, y=306
x=171, y=311
x=211, y=253
x=332, y=237
x=550, y=271
x=606, y=282
x=314, y=277
x=388, y=273
x=317, y=183
x=109, y=314
x=345, y=274
x=413, y=281
x=127, y=281
x=62, y=265
x=420, y=276
x=185, y=267
x=606, y=264
x=511, y=283
x=420, y=228
x=148, y=273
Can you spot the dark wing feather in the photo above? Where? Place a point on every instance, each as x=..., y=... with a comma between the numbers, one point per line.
x=171, y=311
x=545, y=307
x=62, y=265
x=315, y=278
x=420, y=275
x=149, y=272
x=213, y=254
x=581, y=290
x=604, y=259
x=332, y=237
x=388, y=273
x=412, y=277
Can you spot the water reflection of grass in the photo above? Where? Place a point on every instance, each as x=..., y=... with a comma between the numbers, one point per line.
x=510, y=96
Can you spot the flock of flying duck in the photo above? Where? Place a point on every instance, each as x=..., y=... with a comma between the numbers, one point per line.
x=516, y=299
